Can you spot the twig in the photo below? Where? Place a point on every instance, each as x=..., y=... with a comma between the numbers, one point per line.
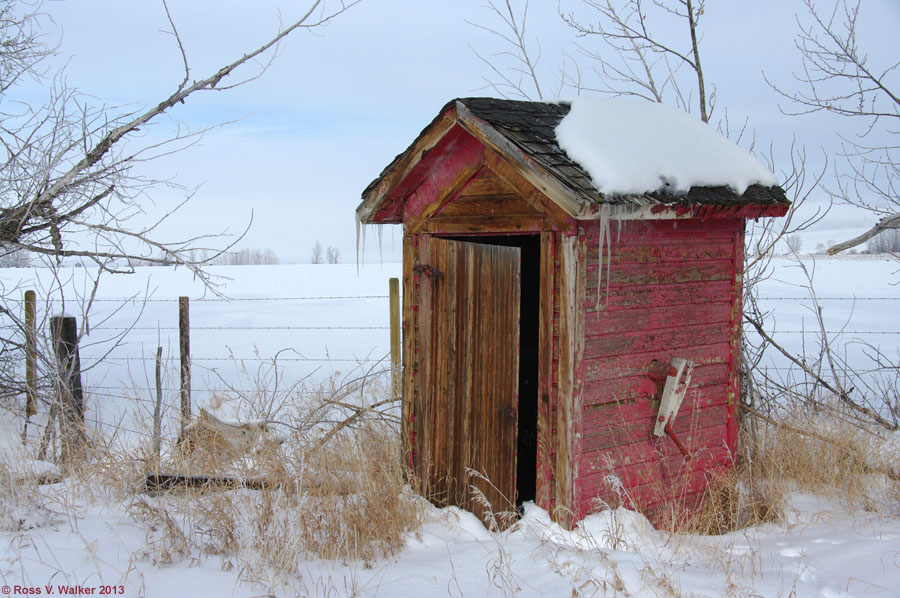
x=843, y=396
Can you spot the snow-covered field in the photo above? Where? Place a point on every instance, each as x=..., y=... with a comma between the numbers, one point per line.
x=823, y=548
x=314, y=321
x=319, y=320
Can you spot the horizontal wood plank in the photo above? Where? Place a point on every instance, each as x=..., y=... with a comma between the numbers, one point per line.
x=634, y=388
x=671, y=481
x=647, y=252
x=662, y=229
x=488, y=184
x=498, y=205
x=485, y=225
x=662, y=470
x=676, y=340
x=653, y=295
x=613, y=431
x=600, y=416
x=656, y=318
x=651, y=448
x=637, y=364
x=660, y=274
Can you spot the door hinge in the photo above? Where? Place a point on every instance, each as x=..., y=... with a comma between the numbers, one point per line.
x=509, y=412
x=429, y=271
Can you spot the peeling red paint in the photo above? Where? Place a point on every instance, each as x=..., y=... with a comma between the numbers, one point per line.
x=664, y=288
x=673, y=288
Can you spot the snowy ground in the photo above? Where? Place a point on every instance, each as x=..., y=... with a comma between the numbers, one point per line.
x=823, y=549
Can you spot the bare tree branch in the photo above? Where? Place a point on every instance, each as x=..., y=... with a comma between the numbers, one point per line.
x=838, y=78
x=840, y=394
x=68, y=183
x=524, y=68
x=886, y=223
x=641, y=62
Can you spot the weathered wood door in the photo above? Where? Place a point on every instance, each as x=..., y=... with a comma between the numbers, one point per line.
x=467, y=352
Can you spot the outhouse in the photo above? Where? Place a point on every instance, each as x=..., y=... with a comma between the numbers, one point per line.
x=572, y=277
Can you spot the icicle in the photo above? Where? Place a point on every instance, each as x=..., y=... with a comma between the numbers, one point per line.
x=380, y=250
x=604, y=236
x=356, y=217
x=360, y=231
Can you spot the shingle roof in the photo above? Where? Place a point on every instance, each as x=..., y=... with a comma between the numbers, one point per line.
x=528, y=128
x=531, y=126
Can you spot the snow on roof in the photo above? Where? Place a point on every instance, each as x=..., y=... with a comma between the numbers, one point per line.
x=630, y=146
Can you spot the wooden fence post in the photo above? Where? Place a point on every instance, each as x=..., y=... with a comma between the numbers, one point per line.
x=184, y=330
x=157, y=407
x=64, y=332
x=30, y=354
x=396, y=375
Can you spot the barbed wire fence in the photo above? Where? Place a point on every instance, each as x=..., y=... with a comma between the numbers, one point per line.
x=300, y=343
x=324, y=320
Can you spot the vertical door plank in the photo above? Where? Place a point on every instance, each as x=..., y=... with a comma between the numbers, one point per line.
x=469, y=314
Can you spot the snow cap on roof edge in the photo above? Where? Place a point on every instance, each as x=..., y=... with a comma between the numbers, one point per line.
x=631, y=146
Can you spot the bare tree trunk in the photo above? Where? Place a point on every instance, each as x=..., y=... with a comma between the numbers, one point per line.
x=886, y=223
x=696, y=52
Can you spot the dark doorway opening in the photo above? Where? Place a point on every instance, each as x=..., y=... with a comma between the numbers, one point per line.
x=529, y=319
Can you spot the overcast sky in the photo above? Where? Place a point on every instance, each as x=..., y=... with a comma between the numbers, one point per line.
x=338, y=104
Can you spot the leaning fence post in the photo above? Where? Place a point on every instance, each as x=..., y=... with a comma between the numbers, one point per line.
x=30, y=354
x=64, y=332
x=396, y=380
x=184, y=330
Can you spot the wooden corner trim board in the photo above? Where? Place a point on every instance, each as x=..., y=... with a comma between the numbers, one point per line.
x=570, y=376
x=544, y=487
x=734, y=352
x=409, y=324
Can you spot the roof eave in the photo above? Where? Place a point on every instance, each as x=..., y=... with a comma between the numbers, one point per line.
x=379, y=191
x=657, y=211
x=570, y=201
x=384, y=197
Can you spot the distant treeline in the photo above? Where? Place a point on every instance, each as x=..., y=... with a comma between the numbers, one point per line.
x=241, y=257
x=247, y=257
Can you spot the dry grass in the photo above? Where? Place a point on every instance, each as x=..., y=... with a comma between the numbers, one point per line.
x=342, y=499
x=822, y=452
x=832, y=454
x=22, y=506
x=345, y=499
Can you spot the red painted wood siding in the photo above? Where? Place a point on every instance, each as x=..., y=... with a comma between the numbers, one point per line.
x=673, y=291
